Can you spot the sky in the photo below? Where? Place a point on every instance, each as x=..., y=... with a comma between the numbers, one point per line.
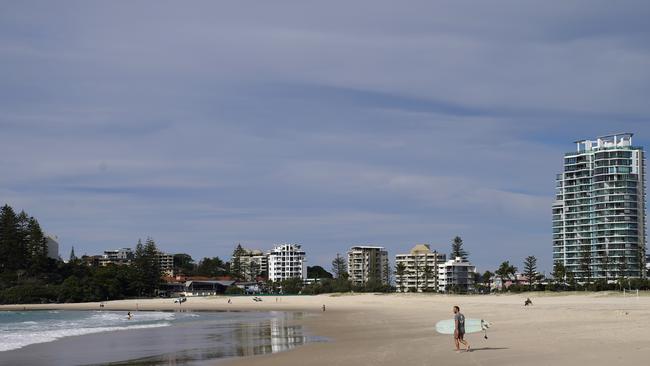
x=203, y=124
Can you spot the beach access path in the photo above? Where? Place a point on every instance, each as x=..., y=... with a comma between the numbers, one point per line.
x=587, y=329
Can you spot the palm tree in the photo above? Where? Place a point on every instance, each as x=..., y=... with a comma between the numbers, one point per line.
x=505, y=271
x=487, y=278
x=585, y=263
x=416, y=267
x=427, y=273
x=400, y=270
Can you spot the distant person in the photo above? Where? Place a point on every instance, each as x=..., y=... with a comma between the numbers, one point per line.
x=229, y=302
x=459, y=329
x=323, y=307
x=129, y=315
x=528, y=302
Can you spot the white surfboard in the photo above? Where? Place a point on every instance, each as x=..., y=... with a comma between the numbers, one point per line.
x=447, y=326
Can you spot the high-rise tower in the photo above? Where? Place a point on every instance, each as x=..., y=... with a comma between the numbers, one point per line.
x=599, y=213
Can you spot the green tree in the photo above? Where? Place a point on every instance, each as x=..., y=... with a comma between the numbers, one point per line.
x=291, y=286
x=36, y=242
x=236, y=270
x=530, y=270
x=11, y=251
x=183, y=263
x=71, y=290
x=505, y=271
x=400, y=272
x=253, y=270
x=622, y=272
x=211, y=267
x=147, y=266
x=417, y=268
x=571, y=280
x=486, y=279
x=388, y=274
x=339, y=267
x=585, y=263
x=457, y=249
x=427, y=274
x=318, y=272
x=21, y=249
x=559, y=273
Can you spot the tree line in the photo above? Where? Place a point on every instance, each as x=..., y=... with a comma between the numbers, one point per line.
x=28, y=275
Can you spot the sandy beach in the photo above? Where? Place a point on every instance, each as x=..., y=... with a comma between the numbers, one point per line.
x=398, y=329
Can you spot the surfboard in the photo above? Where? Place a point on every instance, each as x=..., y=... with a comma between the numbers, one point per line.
x=447, y=326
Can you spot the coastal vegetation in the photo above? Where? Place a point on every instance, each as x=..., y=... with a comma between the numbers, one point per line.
x=28, y=275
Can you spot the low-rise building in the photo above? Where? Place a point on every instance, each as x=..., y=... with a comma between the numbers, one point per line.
x=367, y=262
x=91, y=260
x=286, y=261
x=193, y=286
x=456, y=275
x=420, y=269
x=116, y=256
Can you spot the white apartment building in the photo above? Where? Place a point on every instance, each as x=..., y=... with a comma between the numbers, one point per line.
x=420, y=269
x=286, y=261
x=366, y=262
x=599, y=228
x=456, y=275
x=116, y=256
x=253, y=263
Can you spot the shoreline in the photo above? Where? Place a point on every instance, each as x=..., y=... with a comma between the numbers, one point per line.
x=192, y=338
x=389, y=329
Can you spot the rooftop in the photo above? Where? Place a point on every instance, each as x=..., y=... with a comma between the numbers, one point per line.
x=618, y=140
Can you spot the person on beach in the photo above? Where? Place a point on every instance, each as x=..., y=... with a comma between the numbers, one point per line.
x=459, y=329
x=129, y=315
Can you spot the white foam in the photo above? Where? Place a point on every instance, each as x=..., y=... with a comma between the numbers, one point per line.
x=15, y=341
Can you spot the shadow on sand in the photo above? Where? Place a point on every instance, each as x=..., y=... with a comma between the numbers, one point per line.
x=488, y=349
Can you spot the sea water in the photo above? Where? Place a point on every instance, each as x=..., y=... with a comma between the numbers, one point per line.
x=153, y=337
x=20, y=329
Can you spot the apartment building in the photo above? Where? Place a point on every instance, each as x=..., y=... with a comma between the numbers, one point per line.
x=456, y=275
x=286, y=261
x=599, y=227
x=368, y=262
x=420, y=269
x=253, y=263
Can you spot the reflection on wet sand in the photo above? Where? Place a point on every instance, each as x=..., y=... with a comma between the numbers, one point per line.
x=236, y=339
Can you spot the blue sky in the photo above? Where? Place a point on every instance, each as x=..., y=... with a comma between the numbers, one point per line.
x=330, y=124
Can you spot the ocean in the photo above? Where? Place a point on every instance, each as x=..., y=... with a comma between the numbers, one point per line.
x=149, y=337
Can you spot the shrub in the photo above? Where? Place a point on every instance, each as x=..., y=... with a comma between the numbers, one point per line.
x=234, y=290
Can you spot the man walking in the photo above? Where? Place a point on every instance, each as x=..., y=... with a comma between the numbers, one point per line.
x=459, y=329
